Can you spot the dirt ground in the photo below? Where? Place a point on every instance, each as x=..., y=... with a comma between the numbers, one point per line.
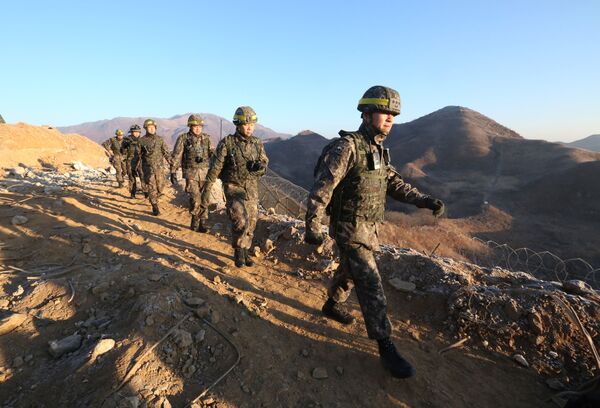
x=113, y=271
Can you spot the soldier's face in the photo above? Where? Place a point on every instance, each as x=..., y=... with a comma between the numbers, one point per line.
x=246, y=129
x=119, y=137
x=135, y=133
x=382, y=121
x=151, y=129
x=196, y=129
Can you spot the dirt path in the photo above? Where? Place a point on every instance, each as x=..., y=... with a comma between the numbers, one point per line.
x=132, y=275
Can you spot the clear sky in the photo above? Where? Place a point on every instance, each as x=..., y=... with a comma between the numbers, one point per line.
x=533, y=66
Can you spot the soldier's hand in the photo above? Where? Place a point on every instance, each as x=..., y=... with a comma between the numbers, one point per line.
x=255, y=166
x=174, y=179
x=313, y=237
x=438, y=207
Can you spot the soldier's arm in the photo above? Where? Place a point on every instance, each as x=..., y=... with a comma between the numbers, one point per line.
x=262, y=158
x=211, y=150
x=165, y=152
x=106, y=146
x=177, y=154
x=216, y=165
x=402, y=191
x=333, y=168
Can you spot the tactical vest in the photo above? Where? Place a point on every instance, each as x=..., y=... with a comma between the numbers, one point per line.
x=234, y=168
x=196, y=151
x=360, y=196
x=131, y=148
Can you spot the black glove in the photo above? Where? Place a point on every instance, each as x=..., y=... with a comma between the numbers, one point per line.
x=198, y=159
x=313, y=237
x=174, y=179
x=435, y=205
x=254, y=166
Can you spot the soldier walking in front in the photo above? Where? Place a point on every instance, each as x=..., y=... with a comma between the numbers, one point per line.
x=240, y=160
x=192, y=152
x=153, y=151
x=113, y=150
x=131, y=151
x=352, y=178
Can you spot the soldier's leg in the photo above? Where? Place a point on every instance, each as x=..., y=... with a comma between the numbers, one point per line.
x=246, y=239
x=369, y=289
x=131, y=178
x=338, y=292
x=239, y=218
x=151, y=184
x=160, y=181
x=118, y=164
x=193, y=190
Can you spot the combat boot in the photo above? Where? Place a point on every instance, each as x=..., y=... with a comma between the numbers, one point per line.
x=133, y=194
x=239, y=257
x=145, y=194
x=195, y=223
x=393, y=361
x=248, y=261
x=201, y=227
x=337, y=312
x=155, y=210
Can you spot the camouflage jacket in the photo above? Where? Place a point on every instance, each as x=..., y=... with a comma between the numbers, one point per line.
x=113, y=145
x=191, y=152
x=231, y=163
x=152, y=150
x=346, y=179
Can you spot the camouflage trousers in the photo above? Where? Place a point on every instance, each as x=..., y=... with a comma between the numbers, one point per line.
x=194, y=183
x=134, y=172
x=119, y=165
x=242, y=209
x=155, y=183
x=358, y=269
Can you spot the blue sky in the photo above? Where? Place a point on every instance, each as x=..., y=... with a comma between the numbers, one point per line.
x=530, y=65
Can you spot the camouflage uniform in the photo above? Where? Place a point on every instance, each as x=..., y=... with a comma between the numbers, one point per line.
x=356, y=198
x=192, y=153
x=131, y=151
x=231, y=165
x=153, y=150
x=114, y=146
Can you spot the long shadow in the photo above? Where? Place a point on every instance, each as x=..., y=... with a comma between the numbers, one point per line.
x=274, y=371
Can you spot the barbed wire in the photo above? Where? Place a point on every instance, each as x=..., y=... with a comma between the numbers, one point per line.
x=543, y=264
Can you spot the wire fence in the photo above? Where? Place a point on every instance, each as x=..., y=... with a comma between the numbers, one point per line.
x=544, y=264
x=282, y=195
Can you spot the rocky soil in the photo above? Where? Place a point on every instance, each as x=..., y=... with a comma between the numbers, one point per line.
x=104, y=305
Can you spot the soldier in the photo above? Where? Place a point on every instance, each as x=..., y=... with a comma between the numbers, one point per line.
x=192, y=152
x=131, y=151
x=113, y=150
x=240, y=160
x=352, y=177
x=153, y=150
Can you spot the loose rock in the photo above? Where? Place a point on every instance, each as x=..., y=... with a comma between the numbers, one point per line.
x=401, y=285
x=65, y=345
x=19, y=220
x=320, y=373
x=10, y=321
x=521, y=360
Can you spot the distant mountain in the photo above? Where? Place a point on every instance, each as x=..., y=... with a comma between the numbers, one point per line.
x=468, y=158
x=169, y=128
x=589, y=143
x=295, y=158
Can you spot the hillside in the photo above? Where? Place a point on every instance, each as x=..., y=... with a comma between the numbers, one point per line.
x=169, y=128
x=296, y=157
x=589, y=143
x=42, y=146
x=134, y=310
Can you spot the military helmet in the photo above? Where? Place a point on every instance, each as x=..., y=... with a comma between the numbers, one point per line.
x=380, y=99
x=135, y=128
x=194, y=120
x=119, y=132
x=149, y=122
x=244, y=115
